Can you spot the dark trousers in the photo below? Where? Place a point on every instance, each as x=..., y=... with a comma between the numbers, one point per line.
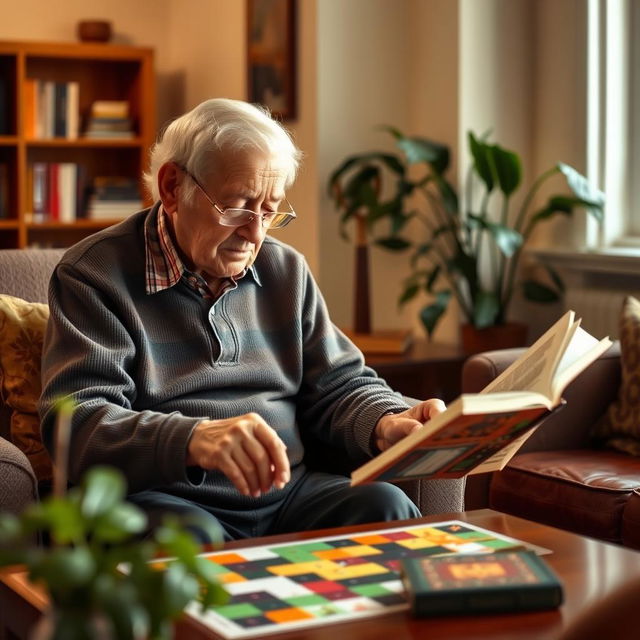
x=319, y=500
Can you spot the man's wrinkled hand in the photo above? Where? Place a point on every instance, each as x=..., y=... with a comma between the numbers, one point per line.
x=393, y=427
x=245, y=448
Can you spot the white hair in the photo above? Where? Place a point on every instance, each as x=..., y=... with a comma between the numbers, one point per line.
x=201, y=137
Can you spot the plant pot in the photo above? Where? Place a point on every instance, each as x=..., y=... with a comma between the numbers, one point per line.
x=501, y=336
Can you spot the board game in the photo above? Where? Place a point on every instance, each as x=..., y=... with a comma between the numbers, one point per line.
x=334, y=579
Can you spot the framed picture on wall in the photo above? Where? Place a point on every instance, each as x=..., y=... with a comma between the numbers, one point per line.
x=271, y=53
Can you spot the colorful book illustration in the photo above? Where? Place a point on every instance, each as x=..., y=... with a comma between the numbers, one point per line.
x=481, y=432
x=291, y=586
x=480, y=583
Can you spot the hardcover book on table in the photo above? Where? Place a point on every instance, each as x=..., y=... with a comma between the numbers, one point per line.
x=480, y=583
x=481, y=432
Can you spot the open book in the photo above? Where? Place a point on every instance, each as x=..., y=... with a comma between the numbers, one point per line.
x=480, y=432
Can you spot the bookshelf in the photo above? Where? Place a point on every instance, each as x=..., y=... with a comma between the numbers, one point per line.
x=100, y=72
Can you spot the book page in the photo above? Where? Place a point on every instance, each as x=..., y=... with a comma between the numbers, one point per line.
x=582, y=351
x=534, y=369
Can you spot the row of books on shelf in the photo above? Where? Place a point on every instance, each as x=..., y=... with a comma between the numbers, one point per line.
x=62, y=192
x=109, y=119
x=52, y=110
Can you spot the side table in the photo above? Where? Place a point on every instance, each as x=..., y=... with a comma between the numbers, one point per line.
x=425, y=370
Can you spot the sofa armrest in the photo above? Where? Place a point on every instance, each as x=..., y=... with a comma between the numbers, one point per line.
x=18, y=485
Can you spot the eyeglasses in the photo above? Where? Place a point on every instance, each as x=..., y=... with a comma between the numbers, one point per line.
x=235, y=217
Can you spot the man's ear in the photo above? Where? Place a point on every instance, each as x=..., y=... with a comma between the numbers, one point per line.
x=169, y=177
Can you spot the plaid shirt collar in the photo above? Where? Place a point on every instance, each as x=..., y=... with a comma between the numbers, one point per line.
x=163, y=266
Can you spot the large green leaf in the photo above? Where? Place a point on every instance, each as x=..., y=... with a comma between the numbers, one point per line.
x=565, y=205
x=120, y=523
x=419, y=150
x=64, y=568
x=62, y=518
x=591, y=196
x=486, y=309
x=508, y=240
x=389, y=160
x=431, y=314
x=448, y=194
x=409, y=293
x=103, y=488
x=508, y=169
x=481, y=154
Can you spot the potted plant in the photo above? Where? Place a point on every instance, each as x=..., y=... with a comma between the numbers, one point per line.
x=97, y=570
x=471, y=250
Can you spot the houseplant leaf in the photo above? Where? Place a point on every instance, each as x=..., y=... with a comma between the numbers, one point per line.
x=419, y=150
x=481, y=154
x=586, y=191
x=508, y=169
x=430, y=314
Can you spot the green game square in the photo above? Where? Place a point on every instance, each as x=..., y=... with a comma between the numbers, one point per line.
x=301, y=552
x=471, y=535
x=370, y=590
x=305, y=601
x=240, y=610
x=500, y=544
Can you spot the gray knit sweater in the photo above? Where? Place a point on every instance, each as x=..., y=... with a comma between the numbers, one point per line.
x=145, y=369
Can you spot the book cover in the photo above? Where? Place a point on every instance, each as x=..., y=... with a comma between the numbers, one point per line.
x=480, y=583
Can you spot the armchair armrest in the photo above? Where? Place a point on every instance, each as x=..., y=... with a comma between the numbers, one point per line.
x=18, y=485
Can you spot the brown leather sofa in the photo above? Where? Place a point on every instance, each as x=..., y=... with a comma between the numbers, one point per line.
x=559, y=477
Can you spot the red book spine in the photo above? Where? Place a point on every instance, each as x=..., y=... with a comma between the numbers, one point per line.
x=54, y=192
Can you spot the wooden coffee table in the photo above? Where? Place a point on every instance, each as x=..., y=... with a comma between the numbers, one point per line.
x=589, y=570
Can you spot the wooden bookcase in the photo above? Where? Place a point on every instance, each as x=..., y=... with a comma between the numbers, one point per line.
x=103, y=72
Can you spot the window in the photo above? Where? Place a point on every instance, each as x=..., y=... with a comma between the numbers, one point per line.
x=613, y=118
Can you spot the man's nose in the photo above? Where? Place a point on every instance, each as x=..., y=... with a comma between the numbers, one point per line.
x=252, y=230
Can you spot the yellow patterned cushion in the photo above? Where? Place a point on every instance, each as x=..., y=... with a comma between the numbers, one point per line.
x=620, y=427
x=22, y=326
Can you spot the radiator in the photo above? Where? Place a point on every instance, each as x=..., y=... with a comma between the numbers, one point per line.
x=599, y=309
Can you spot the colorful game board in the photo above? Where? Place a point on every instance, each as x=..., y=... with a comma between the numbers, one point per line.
x=289, y=586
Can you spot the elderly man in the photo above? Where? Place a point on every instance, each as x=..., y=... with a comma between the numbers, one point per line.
x=198, y=348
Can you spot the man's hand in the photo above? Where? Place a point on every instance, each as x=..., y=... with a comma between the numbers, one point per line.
x=395, y=426
x=245, y=448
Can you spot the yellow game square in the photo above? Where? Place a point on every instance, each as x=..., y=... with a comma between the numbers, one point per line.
x=300, y=568
x=332, y=554
x=417, y=543
x=340, y=572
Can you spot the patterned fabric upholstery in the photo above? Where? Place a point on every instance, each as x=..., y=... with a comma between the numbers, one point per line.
x=620, y=426
x=22, y=327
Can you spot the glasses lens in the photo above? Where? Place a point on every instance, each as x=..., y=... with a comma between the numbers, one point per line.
x=239, y=217
x=236, y=217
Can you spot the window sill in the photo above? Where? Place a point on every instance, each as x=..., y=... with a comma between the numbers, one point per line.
x=622, y=261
